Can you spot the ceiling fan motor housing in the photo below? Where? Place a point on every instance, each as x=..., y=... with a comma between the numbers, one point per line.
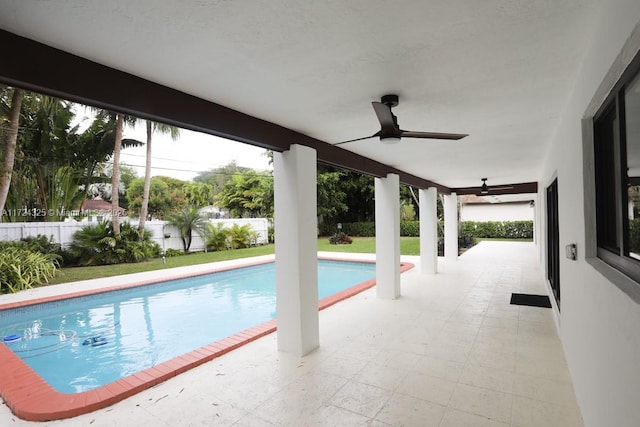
x=390, y=100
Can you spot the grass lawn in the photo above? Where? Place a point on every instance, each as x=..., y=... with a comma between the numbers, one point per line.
x=73, y=274
x=408, y=246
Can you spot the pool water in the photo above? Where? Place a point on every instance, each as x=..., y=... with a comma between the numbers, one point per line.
x=84, y=343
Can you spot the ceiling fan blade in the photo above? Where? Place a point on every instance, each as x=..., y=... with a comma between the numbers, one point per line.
x=432, y=135
x=358, y=139
x=386, y=118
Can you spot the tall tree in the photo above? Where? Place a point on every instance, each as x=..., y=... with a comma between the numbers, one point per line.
x=152, y=127
x=9, y=149
x=218, y=177
x=120, y=120
x=115, y=176
x=248, y=195
x=161, y=203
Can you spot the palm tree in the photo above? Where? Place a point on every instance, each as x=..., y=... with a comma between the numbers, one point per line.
x=115, y=176
x=186, y=221
x=174, y=132
x=9, y=149
x=121, y=119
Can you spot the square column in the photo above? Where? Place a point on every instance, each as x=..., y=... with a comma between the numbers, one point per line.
x=296, y=250
x=387, y=194
x=451, y=227
x=428, y=230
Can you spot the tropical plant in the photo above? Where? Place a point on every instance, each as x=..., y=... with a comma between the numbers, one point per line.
x=100, y=245
x=160, y=204
x=240, y=236
x=218, y=177
x=22, y=269
x=330, y=195
x=9, y=141
x=340, y=238
x=187, y=221
x=216, y=237
x=55, y=164
x=152, y=127
x=115, y=176
x=248, y=195
x=198, y=193
x=173, y=252
x=120, y=120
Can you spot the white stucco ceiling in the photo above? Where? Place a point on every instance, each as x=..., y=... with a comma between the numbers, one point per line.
x=499, y=70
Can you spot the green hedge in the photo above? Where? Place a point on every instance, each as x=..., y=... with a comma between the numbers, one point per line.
x=498, y=229
x=410, y=228
x=489, y=229
x=634, y=235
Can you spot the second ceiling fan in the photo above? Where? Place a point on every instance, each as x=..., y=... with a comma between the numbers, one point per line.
x=390, y=131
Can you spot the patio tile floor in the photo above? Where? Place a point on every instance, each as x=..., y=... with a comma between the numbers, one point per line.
x=450, y=352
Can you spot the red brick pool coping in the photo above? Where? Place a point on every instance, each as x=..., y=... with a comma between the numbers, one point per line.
x=31, y=398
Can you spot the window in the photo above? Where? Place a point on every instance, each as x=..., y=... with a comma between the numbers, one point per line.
x=617, y=175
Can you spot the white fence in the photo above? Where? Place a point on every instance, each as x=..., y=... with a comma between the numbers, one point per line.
x=62, y=232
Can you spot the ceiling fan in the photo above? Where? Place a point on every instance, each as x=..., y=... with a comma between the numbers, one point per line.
x=484, y=190
x=390, y=131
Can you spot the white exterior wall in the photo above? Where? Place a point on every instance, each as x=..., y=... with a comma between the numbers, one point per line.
x=598, y=323
x=482, y=212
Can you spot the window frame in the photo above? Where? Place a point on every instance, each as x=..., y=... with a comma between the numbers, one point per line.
x=616, y=257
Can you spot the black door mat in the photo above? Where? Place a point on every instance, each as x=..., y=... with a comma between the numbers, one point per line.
x=531, y=300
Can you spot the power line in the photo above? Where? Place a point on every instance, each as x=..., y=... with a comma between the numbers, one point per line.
x=183, y=170
x=165, y=158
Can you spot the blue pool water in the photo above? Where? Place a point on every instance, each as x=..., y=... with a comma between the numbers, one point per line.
x=83, y=343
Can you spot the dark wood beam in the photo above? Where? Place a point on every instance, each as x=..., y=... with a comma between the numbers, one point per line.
x=495, y=190
x=40, y=68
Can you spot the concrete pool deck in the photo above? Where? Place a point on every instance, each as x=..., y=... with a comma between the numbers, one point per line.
x=451, y=351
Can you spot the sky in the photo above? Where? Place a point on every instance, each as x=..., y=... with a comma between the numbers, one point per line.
x=191, y=153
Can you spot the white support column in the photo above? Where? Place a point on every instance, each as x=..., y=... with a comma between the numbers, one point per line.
x=451, y=227
x=428, y=230
x=387, y=194
x=296, y=250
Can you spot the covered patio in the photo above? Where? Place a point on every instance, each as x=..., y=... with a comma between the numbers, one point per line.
x=534, y=84
x=450, y=352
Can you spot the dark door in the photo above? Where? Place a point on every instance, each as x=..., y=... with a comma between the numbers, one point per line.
x=553, y=240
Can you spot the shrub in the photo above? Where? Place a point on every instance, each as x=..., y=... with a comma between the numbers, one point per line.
x=634, y=235
x=360, y=229
x=216, y=237
x=271, y=234
x=239, y=236
x=98, y=245
x=498, y=229
x=188, y=220
x=173, y=252
x=410, y=228
x=22, y=269
x=340, y=238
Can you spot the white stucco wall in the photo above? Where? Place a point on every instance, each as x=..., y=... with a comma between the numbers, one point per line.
x=599, y=324
x=496, y=212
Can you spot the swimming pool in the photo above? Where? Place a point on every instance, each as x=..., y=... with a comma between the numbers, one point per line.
x=103, y=322
x=81, y=344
